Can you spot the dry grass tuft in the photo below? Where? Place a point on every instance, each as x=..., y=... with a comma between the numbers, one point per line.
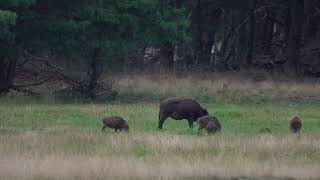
x=145, y=155
x=219, y=86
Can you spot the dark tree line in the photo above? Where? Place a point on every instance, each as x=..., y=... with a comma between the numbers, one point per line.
x=270, y=34
x=37, y=37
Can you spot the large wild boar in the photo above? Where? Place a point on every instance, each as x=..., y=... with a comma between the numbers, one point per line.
x=115, y=123
x=179, y=109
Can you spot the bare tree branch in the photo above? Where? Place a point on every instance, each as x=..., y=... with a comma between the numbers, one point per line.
x=43, y=66
x=33, y=84
x=25, y=91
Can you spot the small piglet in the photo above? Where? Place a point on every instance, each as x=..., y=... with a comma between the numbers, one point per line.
x=295, y=125
x=115, y=123
x=212, y=127
x=210, y=123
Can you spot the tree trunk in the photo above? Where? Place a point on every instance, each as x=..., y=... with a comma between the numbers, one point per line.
x=203, y=30
x=167, y=55
x=308, y=7
x=241, y=43
x=252, y=25
x=94, y=72
x=7, y=70
x=268, y=26
x=264, y=28
x=294, y=41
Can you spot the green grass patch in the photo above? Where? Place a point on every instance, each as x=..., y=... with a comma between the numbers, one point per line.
x=255, y=137
x=245, y=119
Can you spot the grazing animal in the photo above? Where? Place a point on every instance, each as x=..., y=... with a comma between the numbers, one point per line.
x=212, y=127
x=210, y=123
x=115, y=123
x=179, y=109
x=295, y=125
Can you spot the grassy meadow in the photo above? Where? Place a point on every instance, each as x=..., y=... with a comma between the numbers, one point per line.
x=49, y=139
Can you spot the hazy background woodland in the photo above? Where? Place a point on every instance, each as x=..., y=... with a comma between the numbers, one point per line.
x=79, y=46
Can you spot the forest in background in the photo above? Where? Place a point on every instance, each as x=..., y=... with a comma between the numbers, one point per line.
x=77, y=42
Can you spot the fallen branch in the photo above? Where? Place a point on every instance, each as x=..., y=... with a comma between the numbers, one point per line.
x=33, y=84
x=25, y=91
x=42, y=66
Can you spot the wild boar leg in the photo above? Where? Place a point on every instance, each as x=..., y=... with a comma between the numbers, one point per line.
x=162, y=118
x=190, y=123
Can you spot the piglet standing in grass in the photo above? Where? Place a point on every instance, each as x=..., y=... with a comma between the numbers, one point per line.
x=115, y=123
x=212, y=127
x=295, y=125
x=210, y=123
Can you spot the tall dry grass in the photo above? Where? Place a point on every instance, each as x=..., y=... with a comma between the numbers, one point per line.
x=219, y=86
x=32, y=154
